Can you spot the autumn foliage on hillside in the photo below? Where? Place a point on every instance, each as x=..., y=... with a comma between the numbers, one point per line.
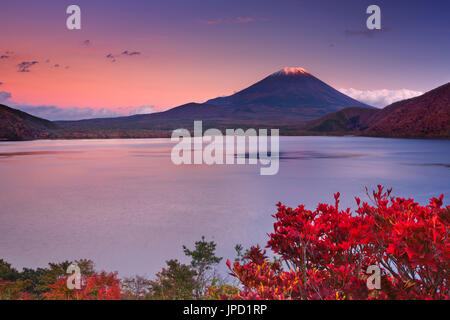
x=325, y=253
x=425, y=116
x=98, y=286
x=51, y=283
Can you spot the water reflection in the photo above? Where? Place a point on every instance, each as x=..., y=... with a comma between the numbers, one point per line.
x=125, y=205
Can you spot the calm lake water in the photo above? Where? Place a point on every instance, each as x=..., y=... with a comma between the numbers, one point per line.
x=123, y=204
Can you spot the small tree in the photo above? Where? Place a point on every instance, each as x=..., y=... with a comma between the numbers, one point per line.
x=203, y=260
x=177, y=282
x=7, y=272
x=136, y=288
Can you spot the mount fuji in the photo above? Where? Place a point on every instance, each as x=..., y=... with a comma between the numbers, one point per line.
x=291, y=93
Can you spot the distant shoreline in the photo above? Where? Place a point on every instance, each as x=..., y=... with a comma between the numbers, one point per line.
x=168, y=137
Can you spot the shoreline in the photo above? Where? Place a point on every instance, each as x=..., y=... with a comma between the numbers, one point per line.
x=168, y=137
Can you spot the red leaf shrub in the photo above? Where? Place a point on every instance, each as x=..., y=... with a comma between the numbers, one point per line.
x=99, y=286
x=326, y=252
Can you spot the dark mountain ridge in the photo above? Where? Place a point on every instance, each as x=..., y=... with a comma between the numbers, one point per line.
x=425, y=116
x=19, y=125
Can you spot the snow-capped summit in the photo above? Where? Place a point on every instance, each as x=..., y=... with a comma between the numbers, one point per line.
x=292, y=71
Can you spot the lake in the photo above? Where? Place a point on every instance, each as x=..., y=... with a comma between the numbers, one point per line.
x=126, y=206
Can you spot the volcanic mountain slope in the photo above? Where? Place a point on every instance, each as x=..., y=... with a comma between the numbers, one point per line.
x=18, y=125
x=185, y=113
x=426, y=116
x=152, y=125
x=291, y=93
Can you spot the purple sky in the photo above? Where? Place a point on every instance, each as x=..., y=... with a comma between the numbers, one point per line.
x=194, y=50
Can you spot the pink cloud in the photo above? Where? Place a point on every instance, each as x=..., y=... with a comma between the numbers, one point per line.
x=244, y=19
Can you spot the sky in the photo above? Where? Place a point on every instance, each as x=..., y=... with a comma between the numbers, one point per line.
x=141, y=56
